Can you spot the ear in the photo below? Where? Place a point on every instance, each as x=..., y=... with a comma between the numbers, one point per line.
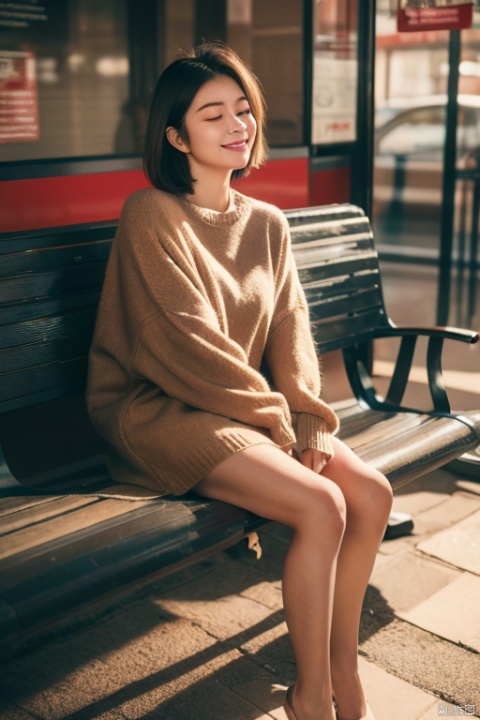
x=175, y=139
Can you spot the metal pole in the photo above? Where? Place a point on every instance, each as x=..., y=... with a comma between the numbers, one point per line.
x=308, y=56
x=362, y=165
x=449, y=178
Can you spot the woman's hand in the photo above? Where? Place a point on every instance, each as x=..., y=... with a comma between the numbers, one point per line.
x=314, y=459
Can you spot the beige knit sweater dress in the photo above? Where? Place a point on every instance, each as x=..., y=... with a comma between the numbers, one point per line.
x=193, y=302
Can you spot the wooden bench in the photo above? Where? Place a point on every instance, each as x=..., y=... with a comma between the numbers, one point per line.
x=75, y=539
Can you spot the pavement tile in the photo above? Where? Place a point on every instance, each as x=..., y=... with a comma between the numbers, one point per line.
x=458, y=545
x=418, y=500
x=410, y=581
x=470, y=486
x=397, y=546
x=224, y=606
x=427, y=661
x=135, y=660
x=263, y=691
x=266, y=593
x=207, y=700
x=383, y=560
x=452, y=613
x=8, y=711
x=458, y=506
x=224, y=617
x=272, y=649
x=390, y=697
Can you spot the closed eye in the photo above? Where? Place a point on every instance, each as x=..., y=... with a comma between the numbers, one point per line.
x=217, y=117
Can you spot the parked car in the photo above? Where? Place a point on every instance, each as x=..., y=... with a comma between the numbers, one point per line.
x=408, y=166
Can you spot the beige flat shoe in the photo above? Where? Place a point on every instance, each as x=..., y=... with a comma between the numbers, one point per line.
x=369, y=714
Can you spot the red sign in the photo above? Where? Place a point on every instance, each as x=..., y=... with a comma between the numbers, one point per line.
x=444, y=17
x=19, y=121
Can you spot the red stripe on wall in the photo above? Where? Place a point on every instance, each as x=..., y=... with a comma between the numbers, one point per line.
x=283, y=183
x=330, y=185
x=67, y=200
x=73, y=199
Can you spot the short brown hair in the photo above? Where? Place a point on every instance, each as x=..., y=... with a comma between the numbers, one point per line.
x=166, y=167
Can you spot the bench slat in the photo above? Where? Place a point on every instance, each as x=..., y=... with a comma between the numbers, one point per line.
x=28, y=240
x=64, y=281
x=144, y=522
x=343, y=305
x=33, y=308
x=62, y=525
x=34, y=515
x=46, y=259
x=345, y=331
x=10, y=505
x=46, y=382
x=46, y=329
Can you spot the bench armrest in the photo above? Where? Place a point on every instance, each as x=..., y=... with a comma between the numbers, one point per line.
x=360, y=377
x=445, y=333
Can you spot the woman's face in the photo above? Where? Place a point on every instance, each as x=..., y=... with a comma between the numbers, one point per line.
x=220, y=129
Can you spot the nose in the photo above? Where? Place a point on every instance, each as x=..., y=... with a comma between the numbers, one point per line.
x=236, y=124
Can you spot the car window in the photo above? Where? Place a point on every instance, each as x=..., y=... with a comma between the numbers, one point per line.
x=418, y=131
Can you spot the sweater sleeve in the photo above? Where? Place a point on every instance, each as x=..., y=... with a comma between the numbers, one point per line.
x=194, y=362
x=293, y=362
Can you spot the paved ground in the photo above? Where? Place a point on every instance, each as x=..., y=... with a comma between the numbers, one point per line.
x=210, y=643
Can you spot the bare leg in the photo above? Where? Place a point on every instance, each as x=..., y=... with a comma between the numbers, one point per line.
x=265, y=480
x=328, y=564
x=368, y=497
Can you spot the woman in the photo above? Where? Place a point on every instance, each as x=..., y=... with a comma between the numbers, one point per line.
x=201, y=295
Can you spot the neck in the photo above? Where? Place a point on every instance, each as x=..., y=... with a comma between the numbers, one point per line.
x=212, y=191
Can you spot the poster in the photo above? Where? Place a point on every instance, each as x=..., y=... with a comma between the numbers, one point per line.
x=19, y=118
x=420, y=15
x=334, y=101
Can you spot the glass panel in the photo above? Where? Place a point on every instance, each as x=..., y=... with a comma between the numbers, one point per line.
x=64, y=75
x=268, y=35
x=411, y=77
x=411, y=73
x=76, y=76
x=178, y=28
x=335, y=71
x=466, y=245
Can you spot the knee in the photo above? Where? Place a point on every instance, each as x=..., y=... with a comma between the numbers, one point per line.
x=384, y=495
x=377, y=502
x=325, y=511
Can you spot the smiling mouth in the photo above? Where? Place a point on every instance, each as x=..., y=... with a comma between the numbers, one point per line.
x=238, y=145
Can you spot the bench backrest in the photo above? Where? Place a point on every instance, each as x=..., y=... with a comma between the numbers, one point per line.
x=338, y=266
x=50, y=282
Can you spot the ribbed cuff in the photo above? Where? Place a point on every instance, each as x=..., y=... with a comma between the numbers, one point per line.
x=313, y=432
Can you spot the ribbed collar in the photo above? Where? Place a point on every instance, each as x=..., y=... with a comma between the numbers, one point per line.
x=210, y=217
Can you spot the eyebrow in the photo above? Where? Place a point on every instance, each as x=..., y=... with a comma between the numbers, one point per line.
x=216, y=104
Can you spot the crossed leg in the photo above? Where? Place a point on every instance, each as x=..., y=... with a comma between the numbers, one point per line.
x=338, y=519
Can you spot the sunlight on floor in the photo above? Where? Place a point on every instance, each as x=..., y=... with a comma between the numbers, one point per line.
x=455, y=379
